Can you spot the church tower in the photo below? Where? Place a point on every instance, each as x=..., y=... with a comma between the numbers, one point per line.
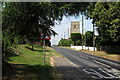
x=75, y=27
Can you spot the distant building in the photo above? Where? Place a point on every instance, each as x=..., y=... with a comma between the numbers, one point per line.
x=75, y=27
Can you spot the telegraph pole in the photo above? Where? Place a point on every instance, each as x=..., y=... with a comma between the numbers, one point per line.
x=82, y=31
x=85, y=39
x=54, y=41
x=68, y=33
x=93, y=37
x=64, y=35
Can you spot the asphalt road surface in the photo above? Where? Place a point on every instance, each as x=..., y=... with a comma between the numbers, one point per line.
x=96, y=67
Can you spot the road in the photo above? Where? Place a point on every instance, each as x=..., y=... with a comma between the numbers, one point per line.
x=96, y=67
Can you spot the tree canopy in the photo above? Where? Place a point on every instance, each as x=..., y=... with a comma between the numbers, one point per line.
x=21, y=20
x=89, y=38
x=106, y=16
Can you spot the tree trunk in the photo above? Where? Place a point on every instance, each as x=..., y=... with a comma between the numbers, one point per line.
x=32, y=46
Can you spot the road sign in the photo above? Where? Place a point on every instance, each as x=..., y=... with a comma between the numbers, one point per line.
x=44, y=37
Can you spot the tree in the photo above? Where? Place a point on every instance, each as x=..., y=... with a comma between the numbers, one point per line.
x=106, y=16
x=75, y=37
x=78, y=42
x=89, y=38
x=65, y=42
x=21, y=20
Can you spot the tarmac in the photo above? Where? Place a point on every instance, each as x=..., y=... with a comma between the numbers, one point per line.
x=68, y=70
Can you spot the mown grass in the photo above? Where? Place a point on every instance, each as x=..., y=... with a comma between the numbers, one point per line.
x=29, y=63
x=28, y=56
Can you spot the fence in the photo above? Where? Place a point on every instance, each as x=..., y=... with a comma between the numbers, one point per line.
x=84, y=47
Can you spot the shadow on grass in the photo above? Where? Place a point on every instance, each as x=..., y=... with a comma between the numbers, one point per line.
x=31, y=72
x=116, y=53
x=9, y=55
x=36, y=50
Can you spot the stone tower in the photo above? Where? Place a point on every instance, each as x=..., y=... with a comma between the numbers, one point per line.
x=75, y=27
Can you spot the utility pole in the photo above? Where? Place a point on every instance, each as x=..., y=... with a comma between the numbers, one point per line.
x=93, y=37
x=82, y=31
x=54, y=41
x=64, y=35
x=85, y=39
x=68, y=33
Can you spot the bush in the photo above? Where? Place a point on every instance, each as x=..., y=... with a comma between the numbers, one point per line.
x=76, y=38
x=65, y=42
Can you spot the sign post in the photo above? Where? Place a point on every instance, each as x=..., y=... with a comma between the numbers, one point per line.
x=44, y=51
x=43, y=37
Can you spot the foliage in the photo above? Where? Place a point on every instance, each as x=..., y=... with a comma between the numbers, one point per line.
x=24, y=20
x=78, y=42
x=65, y=42
x=106, y=16
x=89, y=38
x=75, y=37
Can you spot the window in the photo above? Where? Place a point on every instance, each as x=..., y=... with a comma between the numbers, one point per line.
x=74, y=26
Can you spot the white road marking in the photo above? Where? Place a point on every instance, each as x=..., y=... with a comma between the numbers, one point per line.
x=106, y=71
x=94, y=72
x=83, y=57
x=102, y=64
x=113, y=71
x=71, y=62
x=111, y=76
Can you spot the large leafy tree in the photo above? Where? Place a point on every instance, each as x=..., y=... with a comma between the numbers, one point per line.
x=106, y=16
x=22, y=20
x=89, y=38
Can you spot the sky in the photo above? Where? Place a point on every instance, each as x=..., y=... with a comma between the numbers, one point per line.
x=65, y=25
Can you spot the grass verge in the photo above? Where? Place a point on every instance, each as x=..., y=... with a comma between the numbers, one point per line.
x=29, y=63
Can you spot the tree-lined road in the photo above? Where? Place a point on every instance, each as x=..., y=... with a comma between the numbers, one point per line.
x=95, y=66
